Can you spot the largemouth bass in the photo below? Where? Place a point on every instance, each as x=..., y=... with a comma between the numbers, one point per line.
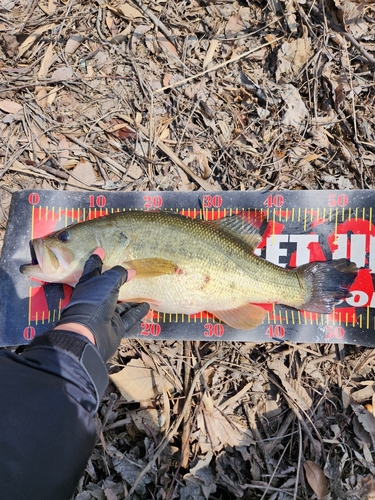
x=186, y=265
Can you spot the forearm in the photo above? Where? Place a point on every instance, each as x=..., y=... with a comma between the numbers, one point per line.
x=50, y=394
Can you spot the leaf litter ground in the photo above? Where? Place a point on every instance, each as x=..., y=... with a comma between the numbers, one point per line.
x=187, y=95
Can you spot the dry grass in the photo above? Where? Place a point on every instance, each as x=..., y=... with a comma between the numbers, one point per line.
x=187, y=95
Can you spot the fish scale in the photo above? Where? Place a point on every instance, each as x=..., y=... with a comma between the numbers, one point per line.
x=203, y=250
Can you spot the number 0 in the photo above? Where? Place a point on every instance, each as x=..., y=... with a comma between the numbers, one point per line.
x=29, y=333
x=34, y=198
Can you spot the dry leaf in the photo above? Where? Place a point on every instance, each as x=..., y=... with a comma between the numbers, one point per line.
x=350, y=14
x=164, y=134
x=126, y=10
x=64, y=73
x=41, y=140
x=72, y=44
x=234, y=26
x=108, y=66
x=369, y=408
x=210, y=52
x=50, y=8
x=294, y=390
x=51, y=97
x=82, y=176
x=9, y=43
x=52, y=4
x=363, y=394
x=367, y=453
x=271, y=39
x=200, y=158
x=9, y=106
x=134, y=171
x=111, y=25
x=46, y=62
x=290, y=14
x=185, y=185
x=201, y=476
x=41, y=97
x=319, y=137
x=296, y=112
x=120, y=37
x=292, y=56
x=110, y=494
x=316, y=478
x=225, y=130
x=139, y=33
x=168, y=47
x=216, y=431
x=138, y=383
x=167, y=79
x=193, y=89
x=120, y=129
x=63, y=151
x=33, y=37
x=307, y=159
x=367, y=487
x=147, y=418
x=219, y=428
x=366, y=419
x=363, y=461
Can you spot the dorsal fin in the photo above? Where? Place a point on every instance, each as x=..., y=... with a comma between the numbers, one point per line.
x=241, y=227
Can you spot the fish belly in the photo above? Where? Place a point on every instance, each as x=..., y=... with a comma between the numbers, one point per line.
x=193, y=291
x=171, y=294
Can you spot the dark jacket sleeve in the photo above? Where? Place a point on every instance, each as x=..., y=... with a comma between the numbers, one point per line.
x=49, y=396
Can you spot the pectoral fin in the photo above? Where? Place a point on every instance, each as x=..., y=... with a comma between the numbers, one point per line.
x=243, y=318
x=150, y=268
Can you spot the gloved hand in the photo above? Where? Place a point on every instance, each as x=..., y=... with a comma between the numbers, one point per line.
x=94, y=304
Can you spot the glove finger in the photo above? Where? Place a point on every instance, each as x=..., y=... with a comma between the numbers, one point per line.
x=134, y=315
x=124, y=307
x=122, y=272
x=93, y=267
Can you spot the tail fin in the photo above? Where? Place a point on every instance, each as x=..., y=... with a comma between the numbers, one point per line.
x=328, y=283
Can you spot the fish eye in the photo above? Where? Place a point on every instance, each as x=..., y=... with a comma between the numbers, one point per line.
x=64, y=236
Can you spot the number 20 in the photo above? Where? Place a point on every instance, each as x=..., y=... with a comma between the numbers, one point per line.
x=153, y=329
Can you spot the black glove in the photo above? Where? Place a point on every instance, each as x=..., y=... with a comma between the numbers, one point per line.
x=94, y=305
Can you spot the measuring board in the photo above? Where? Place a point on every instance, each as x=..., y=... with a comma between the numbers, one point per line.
x=299, y=227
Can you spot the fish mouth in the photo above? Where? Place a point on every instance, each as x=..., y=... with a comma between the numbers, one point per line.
x=46, y=257
x=45, y=262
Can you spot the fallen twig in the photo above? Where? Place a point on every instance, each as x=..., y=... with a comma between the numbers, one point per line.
x=114, y=164
x=173, y=430
x=156, y=21
x=185, y=435
x=169, y=152
x=218, y=66
x=344, y=33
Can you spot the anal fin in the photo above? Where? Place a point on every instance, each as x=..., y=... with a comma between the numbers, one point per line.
x=150, y=268
x=245, y=317
x=149, y=318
